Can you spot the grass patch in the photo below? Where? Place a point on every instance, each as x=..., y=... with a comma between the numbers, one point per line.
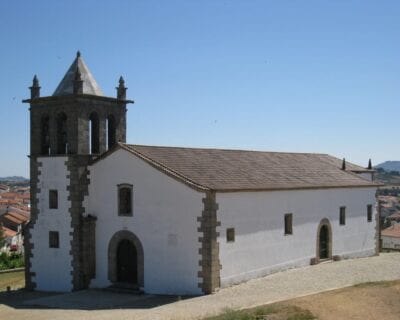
x=276, y=311
x=11, y=261
x=15, y=280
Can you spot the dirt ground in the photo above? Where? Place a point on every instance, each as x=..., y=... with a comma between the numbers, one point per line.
x=15, y=280
x=380, y=301
x=370, y=301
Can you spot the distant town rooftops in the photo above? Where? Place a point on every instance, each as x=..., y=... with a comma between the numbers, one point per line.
x=392, y=231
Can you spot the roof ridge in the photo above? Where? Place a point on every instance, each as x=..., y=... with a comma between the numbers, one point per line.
x=223, y=149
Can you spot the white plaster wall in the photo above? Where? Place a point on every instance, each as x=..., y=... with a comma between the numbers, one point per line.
x=390, y=242
x=52, y=266
x=164, y=219
x=261, y=247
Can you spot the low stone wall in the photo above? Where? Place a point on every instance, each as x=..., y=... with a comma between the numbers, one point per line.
x=12, y=270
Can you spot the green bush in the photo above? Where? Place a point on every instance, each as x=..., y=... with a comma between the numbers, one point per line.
x=11, y=261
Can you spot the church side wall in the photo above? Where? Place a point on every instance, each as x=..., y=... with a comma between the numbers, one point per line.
x=164, y=220
x=52, y=266
x=260, y=245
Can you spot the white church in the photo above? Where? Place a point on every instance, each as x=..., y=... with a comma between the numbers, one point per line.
x=171, y=220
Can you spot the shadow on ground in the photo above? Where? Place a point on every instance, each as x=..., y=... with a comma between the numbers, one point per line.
x=84, y=300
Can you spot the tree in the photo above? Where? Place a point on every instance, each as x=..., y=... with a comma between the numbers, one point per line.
x=2, y=237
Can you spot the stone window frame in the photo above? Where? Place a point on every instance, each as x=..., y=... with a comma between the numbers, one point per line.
x=369, y=212
x=53, y=199
x=230, y=235
x=288, y=224
x=342, y=216
x=120, y=187
x=54, y=239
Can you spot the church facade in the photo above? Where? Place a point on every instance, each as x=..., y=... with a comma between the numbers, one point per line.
x=172, y=220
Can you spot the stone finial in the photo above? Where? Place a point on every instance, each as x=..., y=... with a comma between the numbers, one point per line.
x=35, y=89
x=344, y=164
x=121, y=89
x=78, y=82
x=78, y=54
x=369, y=165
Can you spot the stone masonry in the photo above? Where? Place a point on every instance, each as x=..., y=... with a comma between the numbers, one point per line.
x=28, y=245
x=209, y=264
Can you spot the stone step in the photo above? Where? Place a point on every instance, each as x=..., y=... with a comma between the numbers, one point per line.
x=125, y=288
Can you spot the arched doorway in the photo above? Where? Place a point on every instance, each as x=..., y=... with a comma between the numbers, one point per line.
x=126, y=259
x=126, y=262
x=324, y=240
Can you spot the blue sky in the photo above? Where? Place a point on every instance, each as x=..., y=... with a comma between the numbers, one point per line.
x=301, y=76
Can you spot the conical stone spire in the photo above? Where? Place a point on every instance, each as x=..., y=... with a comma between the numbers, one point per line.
x=369, y=164
x=67, y=84
x=78, y=82
x=35, y=89
x=121, y=89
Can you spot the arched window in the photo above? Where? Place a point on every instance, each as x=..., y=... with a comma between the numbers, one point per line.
x=45, y=135
x=62, y=134
x=111, y=134
x=94, y=136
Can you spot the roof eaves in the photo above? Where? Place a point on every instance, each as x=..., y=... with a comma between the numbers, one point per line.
x=163, y=168
x=372, y=185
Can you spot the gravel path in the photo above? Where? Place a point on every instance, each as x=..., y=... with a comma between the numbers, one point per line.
x=280, y=286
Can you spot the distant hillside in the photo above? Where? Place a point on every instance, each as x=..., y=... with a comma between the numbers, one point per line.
x=389, y=166
x=14, y=179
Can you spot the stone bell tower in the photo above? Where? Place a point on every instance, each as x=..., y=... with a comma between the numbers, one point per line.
x=68, y=130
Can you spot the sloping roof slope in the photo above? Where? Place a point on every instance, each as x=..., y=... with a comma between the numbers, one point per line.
x=392, y=231
x=66, y=85
x=237, y=170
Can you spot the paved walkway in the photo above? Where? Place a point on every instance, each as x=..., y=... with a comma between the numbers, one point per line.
x=280, y=286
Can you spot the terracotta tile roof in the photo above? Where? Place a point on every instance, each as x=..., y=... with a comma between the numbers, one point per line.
x=395, y=216
x=10, y=218
x=8, y=232
x=26, y=195
x=235, y=170
x=392, y=231
x=9, y=195
x=17, y=215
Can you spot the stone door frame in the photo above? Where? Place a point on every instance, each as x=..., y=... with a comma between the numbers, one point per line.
x=112, y=255
x=324, y=222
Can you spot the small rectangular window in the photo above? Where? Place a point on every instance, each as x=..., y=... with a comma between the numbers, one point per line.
x=369, y=212
x=342, y=217
x=230, y=235
x=288, y=223
x=125, y=200
x=53, y=199
x=54, y=241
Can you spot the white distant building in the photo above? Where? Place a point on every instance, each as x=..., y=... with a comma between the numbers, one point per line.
x=391, y=237
x=176, y=220
x=4, y=188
